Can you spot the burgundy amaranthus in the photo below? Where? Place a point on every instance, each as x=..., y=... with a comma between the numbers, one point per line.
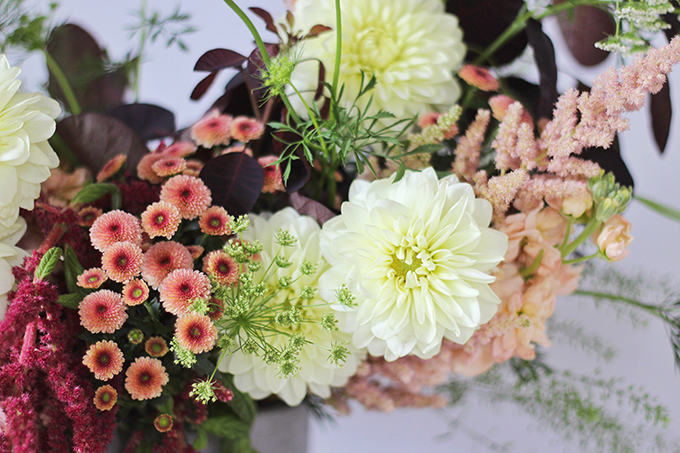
x=45, y=391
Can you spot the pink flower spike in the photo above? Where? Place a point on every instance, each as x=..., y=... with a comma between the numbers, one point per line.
x=195, y=332
x=161, y=219
x=212, y=130
x=111, y=167
x=162, y=259
x=115, y=226
x=273, y=181
x=92, y=278
x=122, y=261
x=246, y=129
x=102, y=312
x=181, y=288
x=189, y=194
x=215, y=221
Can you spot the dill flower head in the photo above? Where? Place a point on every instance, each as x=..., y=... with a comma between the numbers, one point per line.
x=115, y=226
x=181, y=288
x=251, y=373
x=102, y=312
x=122, y=261
x=145, y=378
x=105, y=398
x=188, y=194
x=26, y=123
x=163, y=258
x=411, y=46
x=104, y=359
x=417, y=255
x=195, y=332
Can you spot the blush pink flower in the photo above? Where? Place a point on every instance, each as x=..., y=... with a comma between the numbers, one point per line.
x=104, y=359
x=194, y=168
x=162, y=259
x=111, y=167
x=168, y=166
x=246, y=129
x=221, y=267
x=179, y=149
x=181, y=288
x=88, y=215
x=195, y=250
x=135, y=292
x=500, y=105
x=478, y=77
x=115, y=226
x=239, y=148
x=189, y=194
x=161, y=219
x=212, y=130
x=195, y=332
x=145, y=378
x=105, y=398
x=614, y=238
x=273, y=181
x=92, y=278
x=145, y=167
x=102, y=312
x=156, y=347
x=215, y=221
x=122, y=261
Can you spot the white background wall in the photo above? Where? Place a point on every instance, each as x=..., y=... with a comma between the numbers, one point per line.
x=645, y=356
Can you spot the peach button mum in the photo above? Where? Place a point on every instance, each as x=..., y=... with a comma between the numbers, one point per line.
x=102, y=312
x=145, y=378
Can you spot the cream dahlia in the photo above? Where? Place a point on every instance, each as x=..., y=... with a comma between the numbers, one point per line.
x=251, y=373
x=417, y=255
x=9, y=256
x=26, y=123
x=411, y=46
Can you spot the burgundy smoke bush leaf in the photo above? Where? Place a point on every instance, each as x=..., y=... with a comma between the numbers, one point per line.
x=97, y=138
x=610, y=160
x=314, y=209
x=147, y=120
x=236, y=98
x=266, y=17
x=203, y=86
x=216, y=59
x=661, y=109
x=483, y=21
x=317, y=30
x=235, y=181
x=84, y=63
x=322, y=79
x=544, y=54
x=298, y=177
x=581, y=28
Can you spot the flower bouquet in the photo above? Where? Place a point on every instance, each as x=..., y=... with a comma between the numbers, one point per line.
x=375, y=210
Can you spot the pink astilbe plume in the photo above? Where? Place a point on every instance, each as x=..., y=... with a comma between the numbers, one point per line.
x=469, y=147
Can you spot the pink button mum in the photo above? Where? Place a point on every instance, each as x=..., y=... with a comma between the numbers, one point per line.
x=115, y=226
x=145, y=378
x=156, y=347
x=181, y=288
x=215, y=221
x=195, y=332
x=102, y=312
x=246, y=129
x=92, y=278
x=163, y=258
x=104, y=359
x=169, y=166
x=122, y=261
x=135, y=292
x=105, y=398
x=88, y=215
x=212, y=130
x=189, y=194
x=273, y=181
x=161, y=219
x=221, y=267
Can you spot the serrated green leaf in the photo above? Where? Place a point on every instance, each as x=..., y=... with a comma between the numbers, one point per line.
x=48, y=262
x=72, y=269
x=71, y=300
x=94, y=192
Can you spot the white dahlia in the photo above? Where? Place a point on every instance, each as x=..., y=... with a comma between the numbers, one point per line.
x=251, y=373
x=417, y=255
x=26, y=123
x=10, y=256
x=411, y=46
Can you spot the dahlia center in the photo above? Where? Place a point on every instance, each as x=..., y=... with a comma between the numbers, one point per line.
x=185, y=288
x=156, y=347
x=93, y=279
x=403, y=267
x=376, y=49
x=105, y=397
x=122, y=261
x=223, y=267
x=102, y=309
x=185, y=194
x=160, y=218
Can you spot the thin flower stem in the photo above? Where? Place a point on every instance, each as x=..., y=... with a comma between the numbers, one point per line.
x=338, y=47
x=581, y=259
x=567, y=234
x=592, y=225
x=65, y=86
x=140, y=54
x=652, y=309
x=529, y=271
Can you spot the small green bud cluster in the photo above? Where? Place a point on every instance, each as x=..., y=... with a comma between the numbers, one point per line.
x=345, y=297
x=135, y=336
x=284, y=238
x=339, y=353
x=203, y=392
x=640, y=16
x=241, y=224
x=199, y=306
x=289, y=318
x=278, y=73
x=609, y=198
x=183, y=356
x=308, y=268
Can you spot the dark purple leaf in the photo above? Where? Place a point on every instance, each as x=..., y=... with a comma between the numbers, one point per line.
x=96, y=138
x=544, y=54
x=147, y=120
x=672, y=20
x=203, y=86
x=84, y=65
x=314, y=209
x=661, y=109
x=322, y=79
x=236, y=99
x=483, y=21
x=317, y=30
x=299, y=175
x=235, y=180
x=266, y=17
x=216, y=59
x=581, y=28
x=610, y=160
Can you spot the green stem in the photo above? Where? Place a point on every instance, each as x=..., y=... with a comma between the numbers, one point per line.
x=58, y=74
x=256, y=35
x=313, y=118
x=529, y=271
x=653, y=309
x=581, y=259
x=338, y=47
x=140, y=54
x=592, y=225
x=567, y=235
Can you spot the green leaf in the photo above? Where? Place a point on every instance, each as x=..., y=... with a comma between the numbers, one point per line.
x=94, y=192
x=664, y=210
x=48, y=262
x=72, y=269
x=424, y=149
x=71, y=300
x=227, y=426
x=401, y=171
x=202, y=440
